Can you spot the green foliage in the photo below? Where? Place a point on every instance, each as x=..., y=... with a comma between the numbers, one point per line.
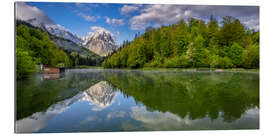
x=35, y=47
x=195, y=44
x=251, y=57
x=178, y=62
x=231, y=31
x=235, y=54
x=25, y=64
x=220, y=62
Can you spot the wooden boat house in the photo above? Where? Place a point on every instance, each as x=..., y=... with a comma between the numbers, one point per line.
x=51, y=69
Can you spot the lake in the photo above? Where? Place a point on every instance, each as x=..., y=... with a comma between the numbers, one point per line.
x=86, y=100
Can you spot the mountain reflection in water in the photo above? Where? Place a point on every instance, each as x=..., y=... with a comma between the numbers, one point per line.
x=100, y=94
x=127, y=100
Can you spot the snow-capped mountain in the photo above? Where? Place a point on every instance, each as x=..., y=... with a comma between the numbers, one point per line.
x=60, y=31
x=38, y=18
x=101, y=42
x=86, y=39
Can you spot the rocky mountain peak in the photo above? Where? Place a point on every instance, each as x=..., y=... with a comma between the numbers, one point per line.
x=101, y=42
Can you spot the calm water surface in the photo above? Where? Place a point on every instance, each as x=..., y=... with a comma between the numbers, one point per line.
x=85, y=100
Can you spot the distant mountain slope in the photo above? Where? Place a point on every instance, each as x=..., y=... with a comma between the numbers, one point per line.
x=101, y=42
x=38, y=18
x=79, y=55
x=71, y=48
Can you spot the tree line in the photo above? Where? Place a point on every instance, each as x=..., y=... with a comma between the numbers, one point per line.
x=191, y=44
x=34, y=46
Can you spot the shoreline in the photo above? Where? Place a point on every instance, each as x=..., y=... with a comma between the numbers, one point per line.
x=176, y=69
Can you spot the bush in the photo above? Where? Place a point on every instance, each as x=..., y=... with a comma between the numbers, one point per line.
x=156, y=62
x=220, y=62
x=251, y=57
x=25, y=64
x=178, y=61
x=225, y=62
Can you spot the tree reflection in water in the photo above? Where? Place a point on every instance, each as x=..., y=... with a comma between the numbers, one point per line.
x=120, y=100
x=195, y=95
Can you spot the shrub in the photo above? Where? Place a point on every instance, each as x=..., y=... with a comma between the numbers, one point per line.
x=178, y=61
x=220, y=62
x=251, y=57
x=25, y=64
x=235, y=54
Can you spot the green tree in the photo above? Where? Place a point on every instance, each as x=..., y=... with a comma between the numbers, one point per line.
x=231, y=31
x=235, y=54
x=25, y=64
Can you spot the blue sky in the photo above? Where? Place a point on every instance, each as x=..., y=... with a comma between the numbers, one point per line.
x=125, y=20
x=79, y=18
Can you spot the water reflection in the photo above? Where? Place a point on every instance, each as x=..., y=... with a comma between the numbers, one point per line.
x=34, y=95
x=155, y=120
x=101, y=95
x=40, y=119
x=51, y=76
x=117, y=100
x=192, y=95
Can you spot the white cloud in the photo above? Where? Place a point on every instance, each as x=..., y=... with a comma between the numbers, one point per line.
x=113, y=21
x=97, y=28
x=128, y=9
x=116, y=114
x=87, y=17
x=156, y=15
x=88, y=119
x=26, y=12
x=251, y=22
x=156, y=120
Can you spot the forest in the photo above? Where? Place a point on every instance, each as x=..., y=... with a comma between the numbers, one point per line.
x=35, y=46
x=191, y=44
